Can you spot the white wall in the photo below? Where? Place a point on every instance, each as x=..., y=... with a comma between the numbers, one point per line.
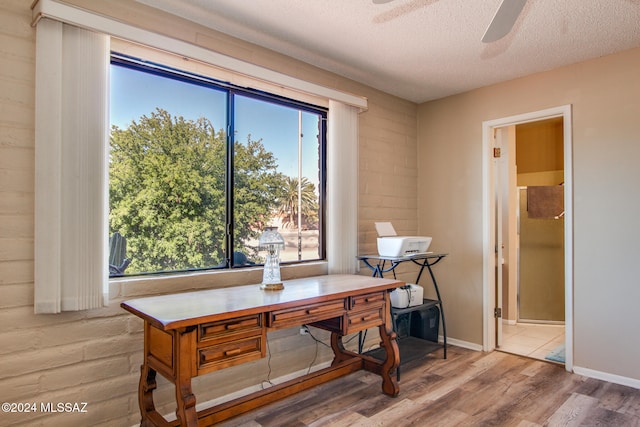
x=605, y=95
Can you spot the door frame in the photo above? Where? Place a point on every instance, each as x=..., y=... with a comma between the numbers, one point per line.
x=489, y=220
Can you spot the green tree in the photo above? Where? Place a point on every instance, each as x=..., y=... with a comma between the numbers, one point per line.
x=288, y=202
x=256, y=188
x=167, y=192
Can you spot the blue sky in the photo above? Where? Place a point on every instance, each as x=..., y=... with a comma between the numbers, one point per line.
x=134, y=93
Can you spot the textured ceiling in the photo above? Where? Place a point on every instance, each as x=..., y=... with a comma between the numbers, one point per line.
x=422, y=50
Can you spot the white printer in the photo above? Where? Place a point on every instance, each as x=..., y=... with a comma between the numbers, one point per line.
x=392, y=245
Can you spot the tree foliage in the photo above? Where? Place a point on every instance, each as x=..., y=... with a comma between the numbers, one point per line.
x=256, y=188
x=167, y=191
x=288, y=202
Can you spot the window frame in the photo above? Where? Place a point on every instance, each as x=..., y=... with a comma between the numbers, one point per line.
x=231, y=90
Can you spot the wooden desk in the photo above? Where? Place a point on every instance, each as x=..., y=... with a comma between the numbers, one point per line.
x=194, y=333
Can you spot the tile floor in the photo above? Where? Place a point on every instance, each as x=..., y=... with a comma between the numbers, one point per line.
x=531, y=339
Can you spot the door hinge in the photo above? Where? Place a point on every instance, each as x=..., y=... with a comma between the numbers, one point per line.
x=497, y=313
x=496, y=152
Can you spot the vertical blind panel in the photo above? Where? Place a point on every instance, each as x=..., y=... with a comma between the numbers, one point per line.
x=342, y=188
x=76, y=232
x=48, y=136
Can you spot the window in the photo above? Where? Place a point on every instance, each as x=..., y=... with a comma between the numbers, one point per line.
x=183, y=190
x=72, y=137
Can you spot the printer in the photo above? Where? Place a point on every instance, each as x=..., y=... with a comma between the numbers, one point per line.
x=407, y=296
x=392, y=245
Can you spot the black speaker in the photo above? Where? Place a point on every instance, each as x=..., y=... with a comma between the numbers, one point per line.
x=425, y=323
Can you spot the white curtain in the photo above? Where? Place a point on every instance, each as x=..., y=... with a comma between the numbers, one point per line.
x=71, y=205
x=342, y=188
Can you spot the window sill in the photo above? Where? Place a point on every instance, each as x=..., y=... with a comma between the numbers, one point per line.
x=138, y=286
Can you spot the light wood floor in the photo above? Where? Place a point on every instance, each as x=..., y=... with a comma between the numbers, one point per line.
x=468, y=389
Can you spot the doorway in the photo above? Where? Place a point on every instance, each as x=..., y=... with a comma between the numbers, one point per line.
x=496, y=134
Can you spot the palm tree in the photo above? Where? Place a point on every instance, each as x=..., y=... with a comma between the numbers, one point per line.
x=289, y=201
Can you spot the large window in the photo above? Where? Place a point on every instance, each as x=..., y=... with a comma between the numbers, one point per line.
x=199, y=168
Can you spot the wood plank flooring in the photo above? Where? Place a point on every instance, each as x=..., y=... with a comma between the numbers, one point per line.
x=468, y=389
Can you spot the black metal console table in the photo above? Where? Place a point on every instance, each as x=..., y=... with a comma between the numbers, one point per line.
x=411, y=347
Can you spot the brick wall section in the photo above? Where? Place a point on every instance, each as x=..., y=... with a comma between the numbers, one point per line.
x=388, y=171
x=94, y=356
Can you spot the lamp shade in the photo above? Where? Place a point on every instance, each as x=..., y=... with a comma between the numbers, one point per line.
x=270, y=237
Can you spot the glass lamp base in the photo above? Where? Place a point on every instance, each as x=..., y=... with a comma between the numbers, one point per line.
x=272, y=286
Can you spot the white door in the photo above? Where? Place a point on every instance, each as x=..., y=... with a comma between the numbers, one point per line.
x=499, y=155
x=493, y=254
x=506, y=227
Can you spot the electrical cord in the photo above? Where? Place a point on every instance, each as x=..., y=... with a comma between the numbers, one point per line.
x=407, y=289
x=319, y=341
x=268, y=379
x=316, y=339
x=266, y=383
x=315, y=355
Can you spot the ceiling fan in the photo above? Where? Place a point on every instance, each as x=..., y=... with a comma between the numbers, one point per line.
x=502, y=21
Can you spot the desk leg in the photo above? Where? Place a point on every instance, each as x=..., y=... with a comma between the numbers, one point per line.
x=391, y=363
x=339, y=352
x=386, y=370
x=145, y=393
x=186, y=400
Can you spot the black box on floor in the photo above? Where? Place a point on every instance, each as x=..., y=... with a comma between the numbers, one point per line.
x=402, y=324
x=425, y=323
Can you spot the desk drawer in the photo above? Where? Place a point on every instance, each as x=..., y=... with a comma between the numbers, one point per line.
x=361, y=302
x=230, y=329
x=306, y=314
x=228, y=354
x=360, y=320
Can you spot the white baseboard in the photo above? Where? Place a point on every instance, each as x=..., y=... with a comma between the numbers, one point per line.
x=598, y=375
x=509, y=322
x=605, y=376
x=463, y=344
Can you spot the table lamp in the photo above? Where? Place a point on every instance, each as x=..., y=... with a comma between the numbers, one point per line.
x=271, y=241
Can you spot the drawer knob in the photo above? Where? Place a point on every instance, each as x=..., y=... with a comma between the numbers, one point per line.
x=231, y=326
x=232, y=352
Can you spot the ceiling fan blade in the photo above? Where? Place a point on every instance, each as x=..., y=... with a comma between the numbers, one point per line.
x=381, y=1
x=503, y=20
